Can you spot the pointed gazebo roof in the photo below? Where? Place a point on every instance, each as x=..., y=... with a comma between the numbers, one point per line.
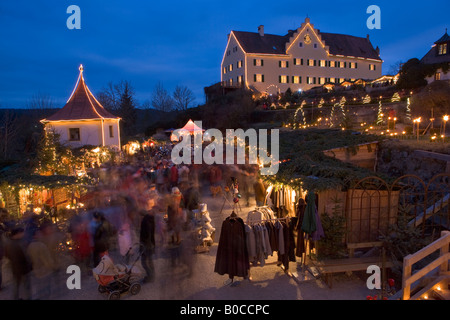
x=192, y=127
x=82, y=105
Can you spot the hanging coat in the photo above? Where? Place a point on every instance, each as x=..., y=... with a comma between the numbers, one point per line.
x=309, y=218
x=232, y=255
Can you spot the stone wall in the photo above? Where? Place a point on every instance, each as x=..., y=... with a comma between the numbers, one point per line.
x=396, y=158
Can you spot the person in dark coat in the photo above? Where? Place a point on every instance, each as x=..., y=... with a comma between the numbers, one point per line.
x=147, y=241
x=20, y=265
x=102, y=235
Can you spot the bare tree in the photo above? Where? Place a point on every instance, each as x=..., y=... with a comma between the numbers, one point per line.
x=394, y=69
x=39, y=103
x=161, y=100
x=183, y=98
x=9, y=128
x=109, y=97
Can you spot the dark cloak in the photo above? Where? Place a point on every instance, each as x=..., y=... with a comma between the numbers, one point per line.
x=232, y=255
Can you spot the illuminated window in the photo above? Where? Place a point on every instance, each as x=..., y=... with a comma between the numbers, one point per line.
x=296, y=79
x=258, y=78
x=258, y=62
x=298, y=62
x=321, y=80
x=311, y=80
x=442, y=49
x=230, y=67
x=284, y=64
x=332, y=64
x=224, y=70
x=437, y=76
x=240, y=63
x=74, y=134
x=322, y=63
x=311, y=62
x=372, y=67
x=283, y=79
x=239, y=79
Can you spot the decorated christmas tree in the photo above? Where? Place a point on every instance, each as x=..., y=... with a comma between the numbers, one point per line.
x=53, y=158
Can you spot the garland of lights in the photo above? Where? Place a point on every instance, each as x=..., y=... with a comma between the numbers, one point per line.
x=380, y=114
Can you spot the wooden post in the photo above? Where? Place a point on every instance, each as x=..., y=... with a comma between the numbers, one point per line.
x=406, y=276
x=444, y=249
x=383, y=272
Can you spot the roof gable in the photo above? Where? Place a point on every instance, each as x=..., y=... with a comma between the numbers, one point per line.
x=82, y=105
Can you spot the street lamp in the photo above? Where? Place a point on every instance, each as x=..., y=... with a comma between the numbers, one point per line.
x=395, y=119
x=418, y=126
x=445, y=121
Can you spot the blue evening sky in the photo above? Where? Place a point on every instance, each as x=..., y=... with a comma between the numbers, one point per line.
x=178, y=42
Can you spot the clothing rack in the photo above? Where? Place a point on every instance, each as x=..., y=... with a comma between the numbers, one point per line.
x=264, y=220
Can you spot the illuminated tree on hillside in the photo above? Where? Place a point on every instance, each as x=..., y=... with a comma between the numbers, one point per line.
x=380, y=115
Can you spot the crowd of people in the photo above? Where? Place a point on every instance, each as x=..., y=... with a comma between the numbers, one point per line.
x=149, y=202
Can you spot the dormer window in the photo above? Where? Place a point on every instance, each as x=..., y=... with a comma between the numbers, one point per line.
x=442, y=49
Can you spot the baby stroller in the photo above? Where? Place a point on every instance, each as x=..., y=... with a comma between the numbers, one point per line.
x=120, y=278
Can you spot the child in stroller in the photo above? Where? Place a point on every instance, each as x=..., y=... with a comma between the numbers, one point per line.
x=116, y=279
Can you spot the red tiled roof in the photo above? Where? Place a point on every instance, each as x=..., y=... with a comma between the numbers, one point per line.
x=82, y=105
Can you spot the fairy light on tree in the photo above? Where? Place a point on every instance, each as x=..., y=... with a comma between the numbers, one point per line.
x=367, y=99
x=408, y=109
x=299, y=109
x=395, y=97
x=380, y=114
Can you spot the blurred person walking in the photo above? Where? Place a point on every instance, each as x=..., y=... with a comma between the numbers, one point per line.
x=3, y=234
x=43, y=267
x=147, y=241
x=20, y=265
x=175, y=215
x=102, y=235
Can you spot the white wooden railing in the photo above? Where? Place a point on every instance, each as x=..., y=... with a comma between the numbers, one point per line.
x=441, y=244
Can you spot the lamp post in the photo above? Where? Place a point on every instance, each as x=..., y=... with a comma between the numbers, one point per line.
x=446, y=117
x=395, y=119
x=418, y=126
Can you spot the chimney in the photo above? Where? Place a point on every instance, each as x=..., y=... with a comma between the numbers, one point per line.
x=261, y=30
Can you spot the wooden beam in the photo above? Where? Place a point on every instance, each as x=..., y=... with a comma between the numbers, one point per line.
x=432, y=155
